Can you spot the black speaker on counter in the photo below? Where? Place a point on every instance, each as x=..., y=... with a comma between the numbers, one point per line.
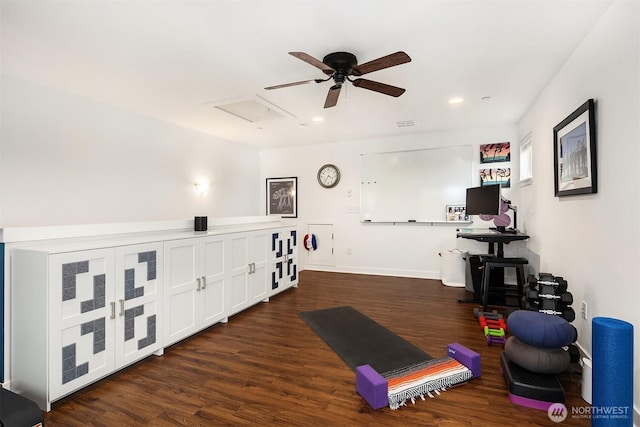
x=200, y=223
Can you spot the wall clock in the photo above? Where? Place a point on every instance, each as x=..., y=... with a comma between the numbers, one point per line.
x=328, y=176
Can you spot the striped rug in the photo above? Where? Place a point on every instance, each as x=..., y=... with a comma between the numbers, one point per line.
x=420, y=379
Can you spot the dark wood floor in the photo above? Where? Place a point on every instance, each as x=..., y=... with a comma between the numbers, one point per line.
x=266, y=367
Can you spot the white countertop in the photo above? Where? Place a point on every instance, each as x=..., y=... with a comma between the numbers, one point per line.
x=84, y=237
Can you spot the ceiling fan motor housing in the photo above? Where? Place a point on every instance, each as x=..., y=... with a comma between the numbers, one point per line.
x=342, y=62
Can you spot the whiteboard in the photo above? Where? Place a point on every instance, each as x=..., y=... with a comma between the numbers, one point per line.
x=416, y=185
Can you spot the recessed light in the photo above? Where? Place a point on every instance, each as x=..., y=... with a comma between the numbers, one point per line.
x=456, y=100
x=318, y=119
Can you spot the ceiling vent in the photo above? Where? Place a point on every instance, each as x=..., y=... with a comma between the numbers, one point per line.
x=405, y=123
x=254, y=109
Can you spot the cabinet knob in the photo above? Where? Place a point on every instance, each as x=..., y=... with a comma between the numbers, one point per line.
x=204, y=282
x=121, y=307
x=199, y=281
x=113, y=309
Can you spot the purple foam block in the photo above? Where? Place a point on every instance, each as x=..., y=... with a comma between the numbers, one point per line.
x=372, y=386
x=468, y=358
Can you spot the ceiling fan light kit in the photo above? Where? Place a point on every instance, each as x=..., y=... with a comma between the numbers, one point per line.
x=340, y=66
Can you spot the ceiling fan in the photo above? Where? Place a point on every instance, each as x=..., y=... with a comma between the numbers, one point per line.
x=340, y=66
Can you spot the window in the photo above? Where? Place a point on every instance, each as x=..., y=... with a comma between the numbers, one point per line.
x=526, y=160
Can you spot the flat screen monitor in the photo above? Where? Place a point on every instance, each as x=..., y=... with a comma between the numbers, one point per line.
x=483, y=200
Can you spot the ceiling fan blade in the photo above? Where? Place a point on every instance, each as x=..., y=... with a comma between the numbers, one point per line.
x=381, y=63
x=313, y=61
x=332, y=96
x=304, y=82
x=379, y=87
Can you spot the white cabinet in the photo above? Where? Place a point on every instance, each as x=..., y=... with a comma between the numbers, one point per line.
x=195, y=271
x=81, y=324
x=284, y=260
x=81, y=310
x=78, y=316
x=249, y=269
x=138, y=302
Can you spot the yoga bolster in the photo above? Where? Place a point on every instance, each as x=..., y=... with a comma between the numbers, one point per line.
x=612, y=375
x=541, y=330
x=537, y=359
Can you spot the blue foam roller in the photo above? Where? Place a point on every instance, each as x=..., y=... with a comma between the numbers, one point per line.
x=612, y=376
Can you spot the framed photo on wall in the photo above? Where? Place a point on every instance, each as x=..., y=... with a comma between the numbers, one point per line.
x=456, y=213
x=282, y=197
x=574, y=152
x=494, y=176
x=494, y=153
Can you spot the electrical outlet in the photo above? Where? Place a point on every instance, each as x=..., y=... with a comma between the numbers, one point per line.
x=584, y=310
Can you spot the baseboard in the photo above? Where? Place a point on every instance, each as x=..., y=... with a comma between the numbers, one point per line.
x=433, y=275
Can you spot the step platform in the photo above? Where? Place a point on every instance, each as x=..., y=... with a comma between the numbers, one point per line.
x=526, y=388
x=18, y=411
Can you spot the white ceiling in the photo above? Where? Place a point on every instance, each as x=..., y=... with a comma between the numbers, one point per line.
x=171, y=60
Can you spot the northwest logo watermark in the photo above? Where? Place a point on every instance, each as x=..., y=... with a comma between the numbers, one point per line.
x=558, y=412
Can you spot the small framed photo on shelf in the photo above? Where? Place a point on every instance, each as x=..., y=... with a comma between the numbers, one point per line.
x=282, y=197
x=456, y=213
x=574, y=153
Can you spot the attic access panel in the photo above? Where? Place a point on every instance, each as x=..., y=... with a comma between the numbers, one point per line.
x=255, y=109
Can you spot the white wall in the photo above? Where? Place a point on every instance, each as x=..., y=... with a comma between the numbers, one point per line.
x=593, y=240
x=69, y=160
x=403, y=250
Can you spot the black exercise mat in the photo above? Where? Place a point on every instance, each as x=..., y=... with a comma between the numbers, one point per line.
x=359, y=340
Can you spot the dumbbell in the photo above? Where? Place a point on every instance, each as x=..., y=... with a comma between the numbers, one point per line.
x=547, y=277
x=568, y=313
x=493, y=315
x=494, y=332
x=558, y=282
x=495, y=340
x=491, y=323
x=565, y=297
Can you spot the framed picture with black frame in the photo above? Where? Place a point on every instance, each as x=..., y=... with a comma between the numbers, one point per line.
x=574, y=152
x=282, y=197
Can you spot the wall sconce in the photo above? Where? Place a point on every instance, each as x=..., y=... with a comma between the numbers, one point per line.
x=201, y=185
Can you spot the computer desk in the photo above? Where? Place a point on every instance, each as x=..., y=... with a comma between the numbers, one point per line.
x=493, y=238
